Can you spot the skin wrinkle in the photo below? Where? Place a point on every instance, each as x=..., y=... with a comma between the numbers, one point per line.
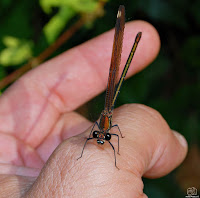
x=14, y=106
x=98, y=186
x=63, y=152
x=98, y=168
x=71, y=186
x=43, y=108
x=85, y=61
x=5, y=168
x=91, y=158
x=138, y=190
x=32, y=84
x=78, y=124
x=5, y=113
x=15, y=144
x=63, y=184
x=157, y=152
x=62, y=127
x=56, y=93
x=95, y=71
x=19, y=151
x=58, y=183
x=133, y=178
x=60, y=170
x=134, y=190
x=156, y=116
x=136, y=171
x=62, y=180
x=58, y=126
x=132, y=118
x=148, y=153
x=152, y=155
x=33, y=152
x=44, y=138
x=10, y=183
x=20, y=155
x=47, y=181
x=22, y=81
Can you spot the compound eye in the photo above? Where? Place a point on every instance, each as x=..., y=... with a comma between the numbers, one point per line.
x=107, y=136
x=95, y=134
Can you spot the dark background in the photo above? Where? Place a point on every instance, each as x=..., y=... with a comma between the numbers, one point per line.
x=171, y=84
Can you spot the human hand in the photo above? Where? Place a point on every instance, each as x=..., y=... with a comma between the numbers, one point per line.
x=37, y=114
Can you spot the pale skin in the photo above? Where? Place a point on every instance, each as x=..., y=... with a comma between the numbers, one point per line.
x=37, y=116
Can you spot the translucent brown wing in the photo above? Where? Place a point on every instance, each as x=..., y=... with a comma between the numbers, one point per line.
x=116, y=58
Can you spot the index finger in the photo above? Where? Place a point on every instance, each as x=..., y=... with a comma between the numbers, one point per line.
x=81, y=73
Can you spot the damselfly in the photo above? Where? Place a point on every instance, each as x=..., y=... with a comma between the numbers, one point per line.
x=113, y=86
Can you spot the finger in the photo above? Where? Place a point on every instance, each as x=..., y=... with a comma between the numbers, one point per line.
x=149, y=148
x=22, y=157
x=14, y=186
x=81, y=73
x=69, y=124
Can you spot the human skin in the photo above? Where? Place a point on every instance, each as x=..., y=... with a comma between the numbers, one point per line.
x=41, y=136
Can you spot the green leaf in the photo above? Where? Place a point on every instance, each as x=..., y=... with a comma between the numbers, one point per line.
x=87, y=6
x=10, y=41
x=53, y=28
x=76, y=5
x=67, y=10
x=16, y=52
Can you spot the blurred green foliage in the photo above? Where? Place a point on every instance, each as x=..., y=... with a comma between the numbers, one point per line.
x=66, y=10
x=171, y=84
x=16, y=51
x=27, y=28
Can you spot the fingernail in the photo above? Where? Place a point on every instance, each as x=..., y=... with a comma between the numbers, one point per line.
x=180, y=138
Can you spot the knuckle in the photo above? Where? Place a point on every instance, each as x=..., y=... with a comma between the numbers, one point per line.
x=151, y=113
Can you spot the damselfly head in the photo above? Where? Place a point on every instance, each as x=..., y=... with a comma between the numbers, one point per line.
x=100, y=137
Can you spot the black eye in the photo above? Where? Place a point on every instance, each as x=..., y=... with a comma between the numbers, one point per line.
x=107, y=136
x=95, y=134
